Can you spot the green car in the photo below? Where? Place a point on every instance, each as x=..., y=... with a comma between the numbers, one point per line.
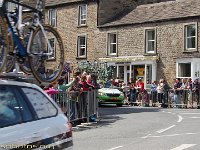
x=110, y=95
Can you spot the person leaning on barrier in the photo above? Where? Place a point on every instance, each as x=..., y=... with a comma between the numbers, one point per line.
x=75, y=89
x=166, y=89
x=195, y=88
x=177, y=89
x=160, y=91
x=140, y=88
x=64, y=87
x=63, y=97
x=184, y=92
x=154, y=93
x=92, y=81
x=189, y=91
x=51, y=88
x=85, y=86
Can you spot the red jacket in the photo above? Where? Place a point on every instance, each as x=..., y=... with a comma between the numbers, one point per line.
x=85, y=86
x=141, y=85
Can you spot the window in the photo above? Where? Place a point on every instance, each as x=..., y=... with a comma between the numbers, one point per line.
x=81, y=46
x=12, y=107
x=52, y=49
x=42, y=105
x=112, y=44
x=121, y=73
x=184, y=70
x=52, y=17
x=190, y=36
x=150, y=37
x=149, y=74
x=82, y=15
x=11, y=6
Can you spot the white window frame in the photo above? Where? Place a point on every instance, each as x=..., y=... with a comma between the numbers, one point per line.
x=54, y=50
x=147, y=41
x=186, y=38
x=80, y=15
x=79, y=46
x=11, y=6
x=178, y=70
x=109, y=43
x=53, y=18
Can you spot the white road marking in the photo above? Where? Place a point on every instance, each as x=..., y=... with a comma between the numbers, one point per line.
x=115, y=147
x=163, y=130
x=183, y=146
x=190, y=133
x=157, y=136
x=180, y=118
x=144, y=137
x=190, y=113
x=195, y=117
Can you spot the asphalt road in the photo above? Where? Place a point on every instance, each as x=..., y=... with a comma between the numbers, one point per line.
x=136, y=128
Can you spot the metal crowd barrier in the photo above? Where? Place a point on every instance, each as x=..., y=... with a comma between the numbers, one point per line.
x=78, y=106
x=183, y=98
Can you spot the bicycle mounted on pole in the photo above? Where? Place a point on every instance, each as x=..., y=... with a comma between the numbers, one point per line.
x=39, y=50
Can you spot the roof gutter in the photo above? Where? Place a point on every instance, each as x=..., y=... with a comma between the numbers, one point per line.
x=61, y=4
x=148, y=22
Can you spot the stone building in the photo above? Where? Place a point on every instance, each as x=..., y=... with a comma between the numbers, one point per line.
x=148, y=39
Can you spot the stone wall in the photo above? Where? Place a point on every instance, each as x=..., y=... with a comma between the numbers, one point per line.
x=67, y=26
x=131, y=39
x=170, y=44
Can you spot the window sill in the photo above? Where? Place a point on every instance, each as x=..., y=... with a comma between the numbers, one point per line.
x=112, y=55
x=150, y=54
x=82, y=26
x=190, y=51
x=81, y=57
x=51, y=59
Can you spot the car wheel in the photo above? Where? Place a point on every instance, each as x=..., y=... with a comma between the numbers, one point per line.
x=119, y=105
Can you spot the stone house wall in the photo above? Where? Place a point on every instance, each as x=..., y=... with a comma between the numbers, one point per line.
x=67, y=26
x=170, y=44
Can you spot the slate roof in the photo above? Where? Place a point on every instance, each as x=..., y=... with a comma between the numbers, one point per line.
x=60, y=2
x=158, y=12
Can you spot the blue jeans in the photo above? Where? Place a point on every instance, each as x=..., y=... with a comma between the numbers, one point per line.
x=177, y=98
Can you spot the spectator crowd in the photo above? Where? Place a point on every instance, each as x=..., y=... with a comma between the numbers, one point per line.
x=183, y=92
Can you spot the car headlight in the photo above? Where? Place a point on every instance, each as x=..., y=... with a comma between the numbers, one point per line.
x=102, y=94
x=121, y=94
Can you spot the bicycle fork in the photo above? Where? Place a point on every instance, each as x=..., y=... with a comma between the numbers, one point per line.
x=38, y=24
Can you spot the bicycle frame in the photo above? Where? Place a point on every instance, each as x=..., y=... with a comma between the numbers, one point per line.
x=37, y=13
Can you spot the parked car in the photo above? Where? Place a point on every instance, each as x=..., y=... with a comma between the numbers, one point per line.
x=110, y=95
x=30, y=119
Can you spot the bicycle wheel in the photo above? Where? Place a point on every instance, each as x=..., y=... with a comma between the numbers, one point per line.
x=25, y=67
x=10, y=63
x=3, y=43
x=51, y=60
